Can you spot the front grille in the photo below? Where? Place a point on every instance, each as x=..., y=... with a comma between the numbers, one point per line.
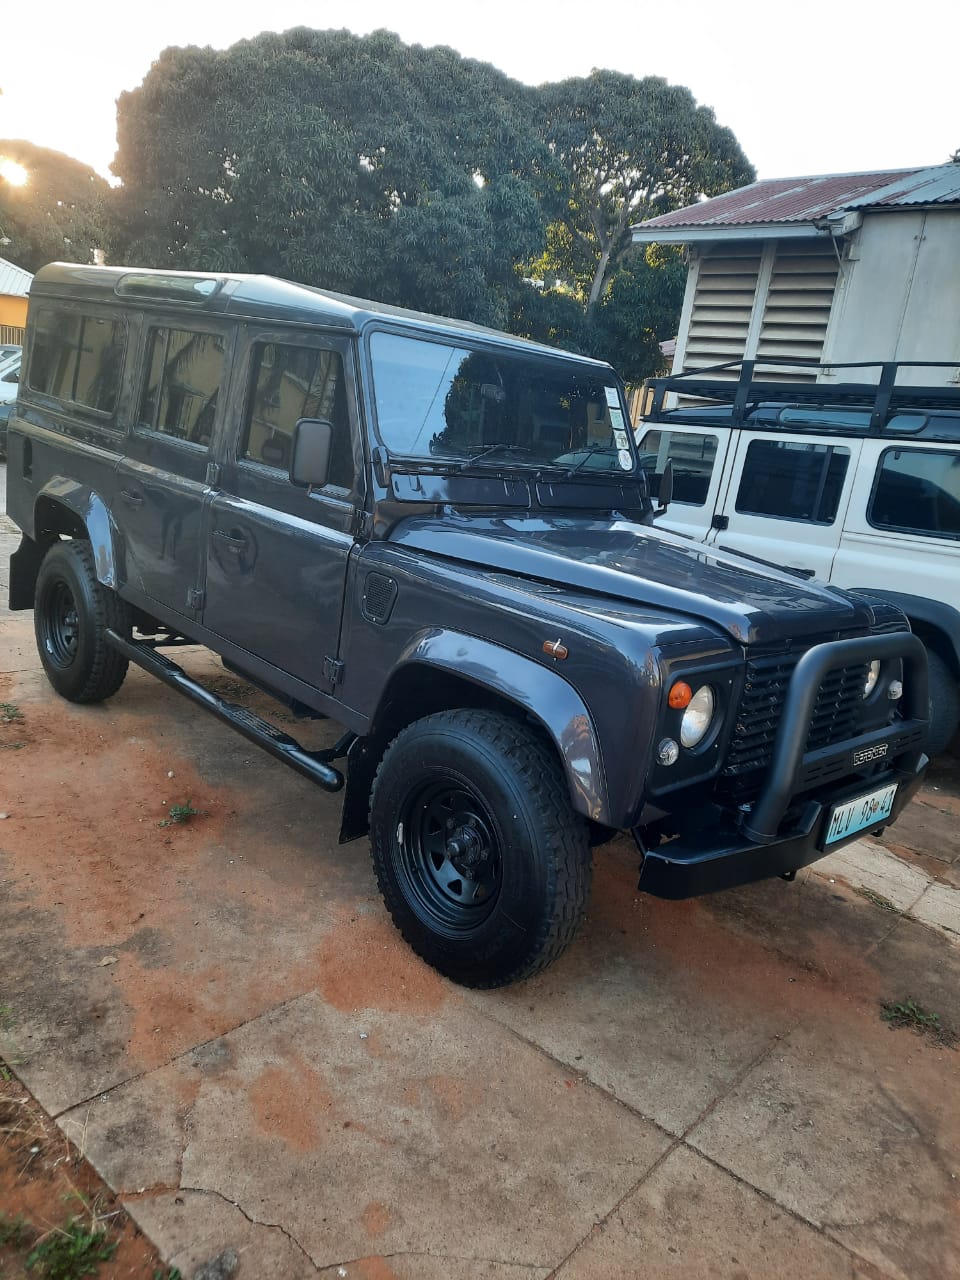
x=835, y=715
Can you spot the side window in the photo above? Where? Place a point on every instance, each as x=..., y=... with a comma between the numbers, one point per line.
x=77, y=358
x=692, y=456
x=289, y=383
x=182, y=382
x=917, y=491
x=792, y=480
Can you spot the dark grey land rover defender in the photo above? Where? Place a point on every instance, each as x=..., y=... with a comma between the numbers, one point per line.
x=441, y=538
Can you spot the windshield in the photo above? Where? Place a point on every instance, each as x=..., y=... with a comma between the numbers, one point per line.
x=480, y=407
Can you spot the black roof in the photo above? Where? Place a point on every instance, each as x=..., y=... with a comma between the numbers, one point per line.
x=259, y=297
x=733, y=396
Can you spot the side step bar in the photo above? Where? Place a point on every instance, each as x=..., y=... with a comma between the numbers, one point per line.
x=311, y=764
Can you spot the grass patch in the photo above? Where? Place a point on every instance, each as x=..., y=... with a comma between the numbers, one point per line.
x=16, y=1233
x=71, y=1252
x=907, y=1013
x=878, y=900
x=179, y=814
x=10, y=713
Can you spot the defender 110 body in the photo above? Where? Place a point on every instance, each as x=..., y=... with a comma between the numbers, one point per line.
x=440, y=537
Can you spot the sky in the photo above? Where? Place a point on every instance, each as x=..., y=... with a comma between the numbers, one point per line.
x=807, y=88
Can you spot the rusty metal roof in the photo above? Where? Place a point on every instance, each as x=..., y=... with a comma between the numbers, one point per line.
x=788, y=201
x=14, y=281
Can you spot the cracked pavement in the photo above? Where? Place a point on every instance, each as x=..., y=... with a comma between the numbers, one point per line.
x=222, y=1018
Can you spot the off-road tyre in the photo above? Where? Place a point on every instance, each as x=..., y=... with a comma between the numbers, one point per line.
x=71, y=613
x=944, y=704
x=510, y=808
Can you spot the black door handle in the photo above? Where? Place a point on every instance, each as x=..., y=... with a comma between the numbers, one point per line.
x=131, y=499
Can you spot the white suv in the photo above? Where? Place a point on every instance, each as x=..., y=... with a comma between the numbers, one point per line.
x=856, y=484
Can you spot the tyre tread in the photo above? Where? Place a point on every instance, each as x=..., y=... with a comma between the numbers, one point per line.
x=564, y=834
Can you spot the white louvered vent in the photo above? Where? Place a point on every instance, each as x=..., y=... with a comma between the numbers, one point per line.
x=722, y=306
x=797, y=307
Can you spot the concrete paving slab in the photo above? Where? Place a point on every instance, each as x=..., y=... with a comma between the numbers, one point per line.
x=855, y=1128
x=650, y=1004
x=939, y=906
x=365, y=1131
x=924, y=827
x=869, y=865
x=659, y=1232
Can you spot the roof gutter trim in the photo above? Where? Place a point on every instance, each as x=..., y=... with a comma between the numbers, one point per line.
x=745, y=231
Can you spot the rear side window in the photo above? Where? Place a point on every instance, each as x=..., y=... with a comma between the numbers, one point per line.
x=77, y=358
x=182, y=383
x=692, y=455
x=917, y=491
x=289, y=383
x=792, y=480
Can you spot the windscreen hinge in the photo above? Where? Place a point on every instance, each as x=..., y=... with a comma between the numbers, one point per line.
x=213, y=473
x=195, y=598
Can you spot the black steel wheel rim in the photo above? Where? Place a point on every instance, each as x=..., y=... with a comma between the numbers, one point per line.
x=61, y=625
x=447, y=855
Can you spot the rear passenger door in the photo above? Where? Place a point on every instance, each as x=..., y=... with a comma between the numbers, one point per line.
x=162, y=478
x=785, y=499
x=277, y=553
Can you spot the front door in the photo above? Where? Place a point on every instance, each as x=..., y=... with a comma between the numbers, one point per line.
x=784, y=499
x=277, y=554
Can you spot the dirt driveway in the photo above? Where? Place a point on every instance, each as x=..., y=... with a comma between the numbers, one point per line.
x=220, y=1014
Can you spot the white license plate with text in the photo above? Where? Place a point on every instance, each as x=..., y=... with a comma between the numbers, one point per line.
x=855, y=815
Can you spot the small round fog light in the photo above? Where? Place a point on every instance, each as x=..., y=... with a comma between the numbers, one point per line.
x=668, y=752
x=895, y=690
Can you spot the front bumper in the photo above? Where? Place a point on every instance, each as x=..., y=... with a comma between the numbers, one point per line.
x=780, y=834
x=721, y=859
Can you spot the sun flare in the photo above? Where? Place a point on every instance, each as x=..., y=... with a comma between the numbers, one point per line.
x=12, y=172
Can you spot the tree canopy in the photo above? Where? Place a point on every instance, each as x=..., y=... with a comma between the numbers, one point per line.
x=356, y=163
x=60, y=211
x=625, y=150
x=397, y=172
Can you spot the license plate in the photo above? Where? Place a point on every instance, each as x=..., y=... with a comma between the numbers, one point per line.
x=846, y=819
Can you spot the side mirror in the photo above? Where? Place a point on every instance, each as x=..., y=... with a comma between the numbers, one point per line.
x=310, y=455
x=665, y=494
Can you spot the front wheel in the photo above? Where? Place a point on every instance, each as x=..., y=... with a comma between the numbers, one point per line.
x=71, y=613
x=481, y=859
x=944, y=704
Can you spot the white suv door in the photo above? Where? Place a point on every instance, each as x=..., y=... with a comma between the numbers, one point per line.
x=697, y=454
x=784, y=499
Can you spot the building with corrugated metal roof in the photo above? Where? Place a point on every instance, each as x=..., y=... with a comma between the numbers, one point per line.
x=837, y=267
x=14, y=287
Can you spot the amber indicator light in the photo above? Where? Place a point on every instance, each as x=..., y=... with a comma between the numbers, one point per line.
x=680, y=695
x=556, y=649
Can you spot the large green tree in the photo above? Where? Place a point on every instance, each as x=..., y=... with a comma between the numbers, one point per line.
x=356, y=163
x=61, y=211
x=624, y=150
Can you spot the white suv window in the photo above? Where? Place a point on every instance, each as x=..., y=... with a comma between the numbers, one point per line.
x=792, y=480
x=692, y=455
x=917, y=491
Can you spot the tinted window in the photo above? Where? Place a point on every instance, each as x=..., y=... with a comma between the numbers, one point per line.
x=692, y=456
x=289, y=383
x=184, y=371
x=918, y=491
x=78, y=358
x=792, y=480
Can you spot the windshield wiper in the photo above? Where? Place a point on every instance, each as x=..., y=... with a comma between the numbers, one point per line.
x=591, y=453
x=490, y=449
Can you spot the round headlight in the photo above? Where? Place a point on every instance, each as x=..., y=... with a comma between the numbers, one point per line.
x=873, y=675
x=697, y=717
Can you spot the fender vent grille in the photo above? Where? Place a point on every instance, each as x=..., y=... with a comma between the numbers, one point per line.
x=379, y=594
